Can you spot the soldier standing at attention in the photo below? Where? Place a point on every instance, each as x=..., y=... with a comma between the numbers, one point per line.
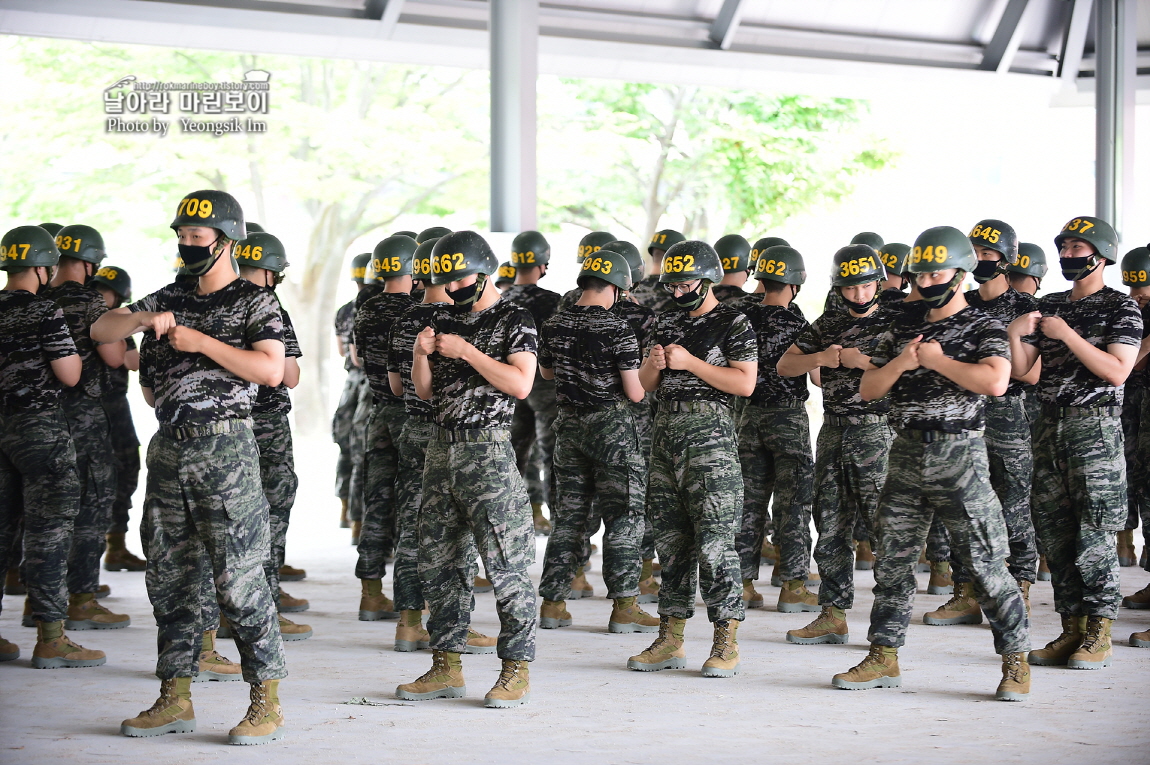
x=735, y=254
x=1136, y=276
x=1088, y=339
x=472, y=363
x=700, y=356
x=937, y=369
x=219, y=339
x=38, y=478
x=341, y=420
x=649, y=292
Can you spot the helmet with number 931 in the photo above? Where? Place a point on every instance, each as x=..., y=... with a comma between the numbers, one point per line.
x=82, y=243
x=940, y=248
x=856, y=264
x=780, y=263
x=460, y=254
x=212, y=209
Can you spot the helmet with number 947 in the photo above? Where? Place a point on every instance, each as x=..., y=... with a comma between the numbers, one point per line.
x=1031, y=261
x=212, y=209
x=28, y=247
x=593, y=242
x=856, y=264
x=734, y=253
x=393, y=256
x=530, y=248
x=1094, y=231
x=780, y=263
x=633, y=256
x=460, y=254
x=1136, y=268
x=940, y=248
x=691, y=260
x=612, y=267
x=262, y=250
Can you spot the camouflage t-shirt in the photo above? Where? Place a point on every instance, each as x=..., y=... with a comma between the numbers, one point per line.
x=650, y=293
x=463, y=399
x=344, y=327
x=639, y=317
x=776, y=329
x=587, y=347
x=190, y=388
x=1006, y=308
x=925, y=399
x=373, y=322
x=278, y=399
x=540, y=303
x=725, y=293
x=400, y=355
x=1139, y=377
x=118, y=377
x=570, y=298
x=82, y=306
x=717, y=337
x=1107, y=317
x=33, y=333
x=891, y=296
x=841, y=384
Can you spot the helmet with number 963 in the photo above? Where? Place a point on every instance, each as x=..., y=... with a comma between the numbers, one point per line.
x=612, y=267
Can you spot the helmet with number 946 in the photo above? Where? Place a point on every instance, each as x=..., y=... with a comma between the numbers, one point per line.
x=940, y=248
x=612, y=267
x=393, y=256
x=593, y=242
x=1094, y=231
x=1136, y=268
x=780, y=263
x=262, y=250
x=212, y=209
x=28, y=247
x=460, y=254
x=691, y=260
x=856, y=264
x=530, y=248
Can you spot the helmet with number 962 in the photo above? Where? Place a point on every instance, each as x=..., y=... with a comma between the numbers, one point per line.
x=691, y=260
x=780, y=263
x=460, y=254
x=940, y=248
x=393, y=256
x=1094, y=231
x=28, y=247
x=530, y=248
x=1136, y=268
x=212, y=209
x=856, y=264
x=262, y=250
x=612, y=267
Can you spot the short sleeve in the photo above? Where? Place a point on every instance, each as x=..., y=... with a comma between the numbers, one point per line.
x=992, y=341
x=741, y=344
x=55, y=339
x=810, y=340
x=291, y=342
x=265, y=322
x=627, y=349
x=884, y=349
x=522, y=336
x=1125, y=326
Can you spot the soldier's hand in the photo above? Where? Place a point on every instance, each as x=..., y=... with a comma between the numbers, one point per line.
x=853, y=358
x=908, y=358
x=451, y=346
x=1026, y=324
x=424, y=342
x=160, y=323
x=678, y=357
x=659, y=357
x=929, y=354
x=1056, y=328
x=186, y=339
x=831, y=358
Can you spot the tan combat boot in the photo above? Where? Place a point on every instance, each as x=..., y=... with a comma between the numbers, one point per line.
x=443, y=681
x=479, y=584
x=512, y=689
x=963, y=608
x=264, y=721
x=356, y=529
x=12, y=583
x=1140, y=639
x=55, y=650
x=117, y=557
x=795, y=597
x=291, y=573
x=580, y=587
x=1140, y=599
x=290, y=631
x=864, y=556
x=84, y=613
x=724, y=659
x=1127, y=555
x=1043, y=569
x=554, y=614
x=769, y=553
x=9, y=651
x=923, y=565
x=26, y=619
x=172, y=712
x=1024, y=587
x=542, y=525
x=940, y=582
x=344, y=521
x=214, y=666
x=289, y=605
x=373, y=604
x=477, y=642
x=1058, y=651
x=1096, y=649
x=648, y=587
x=828, y=627
x=626, y=617
x=667, y=650
x=409, y=632
x=102, y=592
x=878, y=670
x=751, y=597
x=1015, y=685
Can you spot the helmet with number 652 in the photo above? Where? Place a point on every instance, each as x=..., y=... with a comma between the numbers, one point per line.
x=1136, y=268
x=612, y=267
x=691, y=260
x=28, y=247
x=212, y=209
x=393, y=256
x=856, y=264
x=1031, y=261
x=262, y=250
x=530, y=248
x=940, y=248
x=1094, y=231
x=781, y=263
x=460, y=254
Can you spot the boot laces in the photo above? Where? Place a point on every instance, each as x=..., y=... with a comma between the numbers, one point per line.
x=167, y=697
x=258, y=709
x=873, y=657
x=508, y=674
x=438, y=667
x=722, y=639
x=1094, y=638
x=1012, y=666
x=664, y=635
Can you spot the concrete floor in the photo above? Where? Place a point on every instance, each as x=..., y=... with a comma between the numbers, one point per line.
x=586, y=706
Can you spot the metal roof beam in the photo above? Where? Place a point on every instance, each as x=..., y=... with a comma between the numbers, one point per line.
x=727, y=23
x=1074, y=42
x=1004, y=44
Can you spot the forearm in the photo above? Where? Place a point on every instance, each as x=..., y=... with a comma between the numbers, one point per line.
x=118, y=324
x=508, y=378
x=112, y=354
x=1022, y=357
x=876, y=383
x=987, y=379
x=1106, y=365
x=254, y=366
x=649, y=376
x=794, y=363
x=733, y=380
x=421, y=376
x=291, y=372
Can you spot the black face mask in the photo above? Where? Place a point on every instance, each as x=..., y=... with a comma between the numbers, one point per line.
x=199, y=260
x=690, y=301
x=465, y=297
x=860, y=307
x=1074, y=269
x=938, y=295
x=986, y=270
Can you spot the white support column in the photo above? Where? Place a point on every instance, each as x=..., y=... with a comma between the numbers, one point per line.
x=514, y=39
x=1115, y=73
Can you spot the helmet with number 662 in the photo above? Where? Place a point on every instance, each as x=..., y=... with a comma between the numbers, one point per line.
x=940, y=248
x=611, y=267
x=1136, y=268
x=460, y=254
x=856, y=264
x=780, y=264
x=691, y=260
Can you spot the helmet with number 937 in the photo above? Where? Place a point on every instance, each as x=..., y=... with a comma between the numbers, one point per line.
x=856, y=264
x=1094, y=231
x=460, y=254
x=940, y=248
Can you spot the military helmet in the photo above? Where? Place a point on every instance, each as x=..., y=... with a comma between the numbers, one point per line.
x=734, y=253
x=409, y=234
x=461, y=254
x=690, y=260
x=761, y=246
x=253, y=228
x=530, y=248
x=593, y=242
x=359, y=266
x=998, y=236
x=262, y=250
x=1031, y=261
x=52, y=228
x=1094, y=231
x=940, y=248
x=633, y=256
x=1136, y=268
x=868, y=238
x=393, y=256
x=28, y=247
x=608, y=265
x=895, y=257
x=116, y=279
x=82, y=243
x=213, y=209
x=505, y=274
x=432, y=233
x=856, y=264
x=665, y=240
x=780, y=263
x=421, y=260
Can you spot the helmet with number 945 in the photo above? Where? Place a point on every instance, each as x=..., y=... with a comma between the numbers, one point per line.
x=856, y=264
x=28, y=247
x=691, y=260
x=612, y=267
x=1094, y=231
x=212, y=209
x=780, y=263
x=393, y=256
x=460, y=254
x=262, y=250
x=1136, y=268
x=940, y=248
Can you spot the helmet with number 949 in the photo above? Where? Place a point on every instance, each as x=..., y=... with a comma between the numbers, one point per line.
x=612, y=267
x=393, y=256
x=1136, y=268
x=1094, y=231
x=262, y=250
x=780, y=263
x=460, y=254
x=212, y=209
x=28, y=247
x=530, y=248
x=940, y=248
x=856, y=264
